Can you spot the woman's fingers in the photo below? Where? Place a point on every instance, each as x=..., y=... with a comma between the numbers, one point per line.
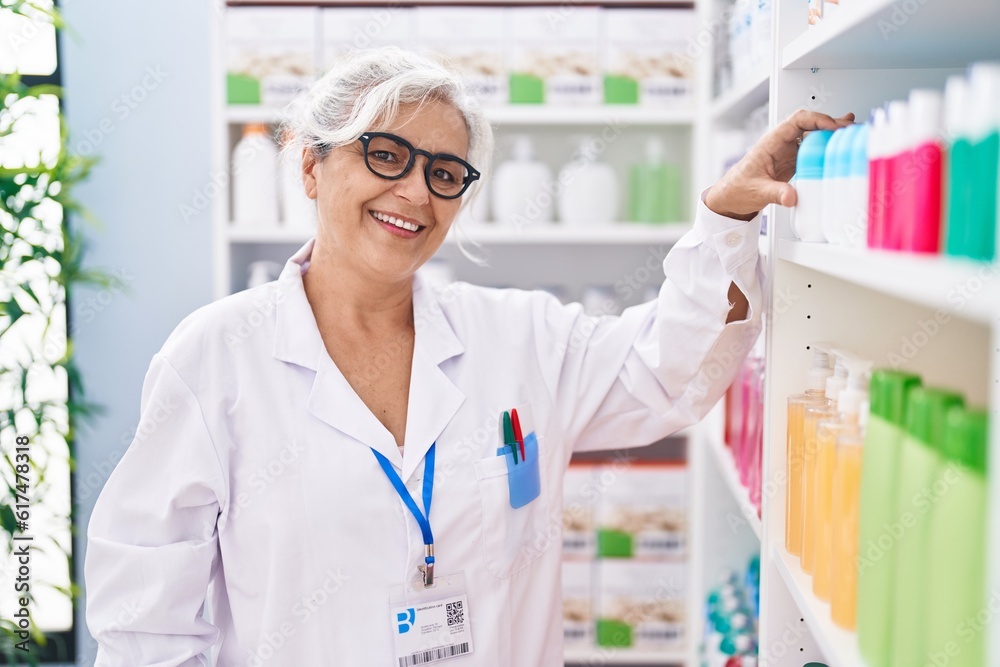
x=803, y=121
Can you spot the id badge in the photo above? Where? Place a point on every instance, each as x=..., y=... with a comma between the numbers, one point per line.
x=430, y=625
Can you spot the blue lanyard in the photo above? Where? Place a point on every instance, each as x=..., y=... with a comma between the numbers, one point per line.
x=423, y=520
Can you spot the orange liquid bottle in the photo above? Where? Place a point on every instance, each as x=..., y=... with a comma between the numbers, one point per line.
x=846, y=507
x=795, y=448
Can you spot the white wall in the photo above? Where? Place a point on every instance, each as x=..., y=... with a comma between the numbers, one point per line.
x=137, y=94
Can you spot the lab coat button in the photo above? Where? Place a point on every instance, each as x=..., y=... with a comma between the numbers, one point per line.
x=733, y=240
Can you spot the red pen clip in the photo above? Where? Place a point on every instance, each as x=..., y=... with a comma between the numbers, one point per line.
x=517, y=432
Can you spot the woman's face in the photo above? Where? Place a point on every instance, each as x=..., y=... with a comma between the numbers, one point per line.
x=350, y=199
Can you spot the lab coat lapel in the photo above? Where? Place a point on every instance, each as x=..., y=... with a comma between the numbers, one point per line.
x=333, y=400
x=434, y=399
x=297, y=341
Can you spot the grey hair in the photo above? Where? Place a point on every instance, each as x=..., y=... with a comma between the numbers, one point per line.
x=365, y=89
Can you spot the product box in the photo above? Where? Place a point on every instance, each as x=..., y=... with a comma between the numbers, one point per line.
x=647, y=59
x=271, y=53
x=471, y=40
x=578, y=602
x=640, y=604
x=346, y=29
x=642, y=511
x=555, y=55
x=580, y=497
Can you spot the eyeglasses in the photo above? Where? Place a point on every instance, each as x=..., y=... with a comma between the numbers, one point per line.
x=392, y=157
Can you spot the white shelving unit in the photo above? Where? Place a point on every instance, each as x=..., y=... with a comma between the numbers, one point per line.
x=935, y=316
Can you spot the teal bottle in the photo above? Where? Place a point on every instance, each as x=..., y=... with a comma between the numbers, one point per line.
x=984, y=154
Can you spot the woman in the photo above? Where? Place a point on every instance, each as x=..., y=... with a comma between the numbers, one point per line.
x=275, y=508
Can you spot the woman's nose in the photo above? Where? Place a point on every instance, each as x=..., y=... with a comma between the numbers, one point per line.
x=413, y=186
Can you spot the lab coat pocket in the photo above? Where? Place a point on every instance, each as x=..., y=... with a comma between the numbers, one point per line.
x=517, y=527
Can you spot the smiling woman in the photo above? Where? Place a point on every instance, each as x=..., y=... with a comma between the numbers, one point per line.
x=377, y=379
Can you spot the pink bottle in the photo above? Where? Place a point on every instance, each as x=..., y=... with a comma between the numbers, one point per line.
x=900, y=176
x=877, y=165
x=927, y=128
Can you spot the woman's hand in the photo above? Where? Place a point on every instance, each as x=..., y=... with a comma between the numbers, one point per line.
x=761, y=176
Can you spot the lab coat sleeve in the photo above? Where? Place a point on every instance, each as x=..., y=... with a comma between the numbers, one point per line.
x=659, y=367
x=152, y=538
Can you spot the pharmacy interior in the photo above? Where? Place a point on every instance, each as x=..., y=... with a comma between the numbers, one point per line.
x=840, y=506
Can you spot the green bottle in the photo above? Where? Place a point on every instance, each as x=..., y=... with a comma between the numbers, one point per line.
x=956, y=555
x=959, y=170
x=984, y=81
x=887, y=392
x=920, y=463
x=654, y=188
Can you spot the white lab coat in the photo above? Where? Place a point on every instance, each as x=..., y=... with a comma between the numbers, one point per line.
x=249, y=523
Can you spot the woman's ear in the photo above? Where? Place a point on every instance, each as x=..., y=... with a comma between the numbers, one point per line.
x=309, y=167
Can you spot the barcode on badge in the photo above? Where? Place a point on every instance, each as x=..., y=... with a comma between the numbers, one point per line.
x=434, y=655
x=456, y=613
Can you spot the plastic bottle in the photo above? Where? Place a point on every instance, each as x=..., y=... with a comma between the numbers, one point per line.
x=846, y=508
x=795, y=446
x=849, y=402
x=255, y=179
x=522, y=188
x=877, y=177
x=984, y=131
x=919, y=463
x=956, y=555
x=926, y=129
x=899, y=186
x=960, y=167
x=855, y=204
x=807, y=216
x=832, y=214
x=589, y=195
x=298, y=211
x=810, y=469
x=654, y=187
x=888, y=390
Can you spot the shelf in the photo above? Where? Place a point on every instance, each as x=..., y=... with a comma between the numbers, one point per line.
x=525, y=115
x=888, y=34
x=839, y=647
x=734, y=105
x=962, y=288
x=621, y=656
x=622, y=233
x=724, y=462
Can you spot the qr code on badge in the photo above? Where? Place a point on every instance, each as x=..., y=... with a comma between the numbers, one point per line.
x=456, y=614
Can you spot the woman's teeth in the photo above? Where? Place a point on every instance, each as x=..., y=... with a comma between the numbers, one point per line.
x=402, y=224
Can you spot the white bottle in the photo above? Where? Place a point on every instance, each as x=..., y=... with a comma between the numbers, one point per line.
x=807, y=216
x=297, y=210
x=856, y=200
x=833, y=221
x=523, y=189
x=589, y=194
x=255, y=179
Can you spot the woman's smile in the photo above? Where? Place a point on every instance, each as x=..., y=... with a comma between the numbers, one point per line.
x=396, y=224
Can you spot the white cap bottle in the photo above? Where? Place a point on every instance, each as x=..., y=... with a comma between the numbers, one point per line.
x=255, y=179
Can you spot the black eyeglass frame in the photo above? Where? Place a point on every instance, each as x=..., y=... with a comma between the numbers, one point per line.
x=473, y=174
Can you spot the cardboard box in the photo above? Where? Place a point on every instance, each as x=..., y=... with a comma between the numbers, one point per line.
x=555, y=55
x=578, y=602
x=646, y=57
x=473, y=41
x=642, y=512
x=346, y=29
x=641, y=605
x=580, y=498
x=271, y=53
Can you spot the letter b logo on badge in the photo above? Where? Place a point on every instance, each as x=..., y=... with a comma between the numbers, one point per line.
x=405, y=620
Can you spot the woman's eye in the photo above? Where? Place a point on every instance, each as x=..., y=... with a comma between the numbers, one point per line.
x=383, y=156
x=444, y=175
